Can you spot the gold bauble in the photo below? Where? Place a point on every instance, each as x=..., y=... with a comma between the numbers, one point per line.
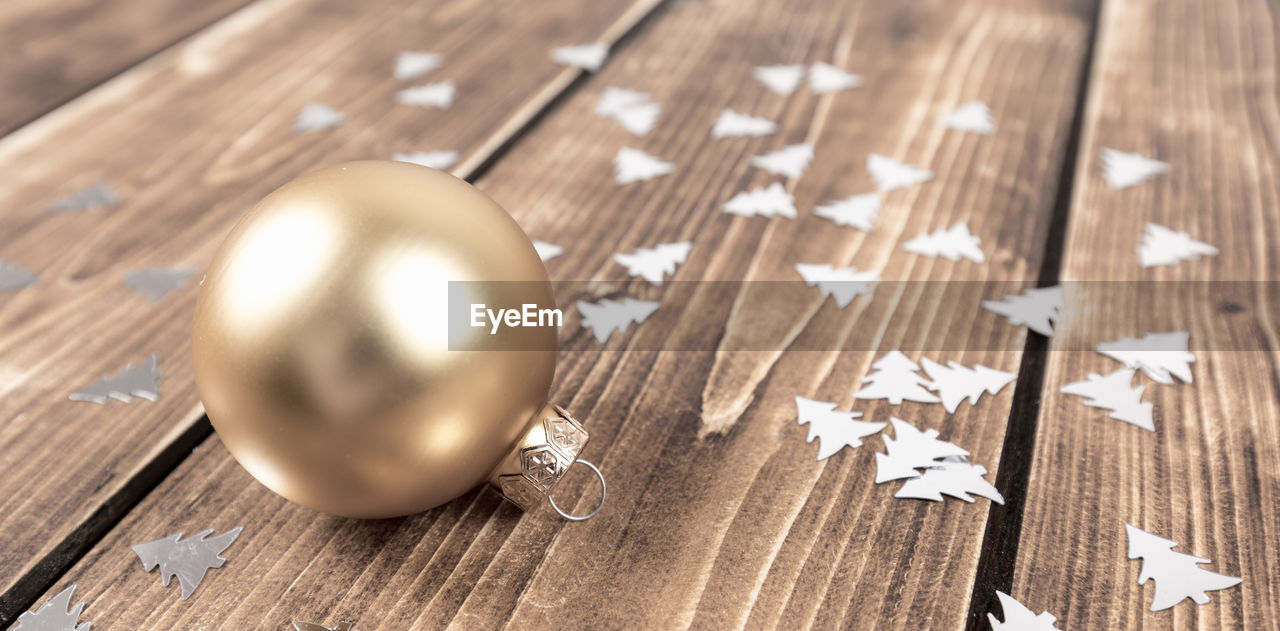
x=324, y=357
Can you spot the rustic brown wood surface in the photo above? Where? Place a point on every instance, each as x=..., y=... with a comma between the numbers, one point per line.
x=190, y=139
x=719, y=515
x=1191, y=83
x=51, y=52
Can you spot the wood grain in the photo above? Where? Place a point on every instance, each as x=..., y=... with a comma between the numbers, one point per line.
x=51, y=52
x=191, y=139
x=1194, y=84
x=718, y=516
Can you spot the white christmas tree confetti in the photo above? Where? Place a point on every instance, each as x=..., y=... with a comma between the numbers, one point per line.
x=440, y=159
x=1036, y=308
x=95, y=196
x=13, y=278
x=1178, y=576
x=781, y=80
x=825, y=78
x=134, y=381
x=1162, y=356
x=1115, y=392
x=607, y=316
x=413, y=64
x=317, y=116
x=633, y=165
x=841, y=283
x=955, y=382
x=896, y=379
x=731, y=124
x=437, y=95
x=789, y=161
x=910, y=449
x=950, y=243
x=188, y=559
x=633, y=110
x=547, y=251
x=311, y=626
x=56, y=614
x=971, y=117
x=1018, y=618
x=1123, y=170
x=769, y=202
x=586, y=56
x=890, y=174
x=858, y=211
x=652, y=264
x=834, y=430
x=1162, y=246
x=157, y=283
x=953, y=478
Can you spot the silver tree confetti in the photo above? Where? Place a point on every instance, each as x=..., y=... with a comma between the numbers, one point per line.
x=55, y=615
x=317, y=116
x=97, y=195
x=188, y=559
x=13, y=278
x=311, y=626
x=157, y=283
x=134, y=381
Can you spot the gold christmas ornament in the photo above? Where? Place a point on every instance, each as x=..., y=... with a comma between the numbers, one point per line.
x=328, y=362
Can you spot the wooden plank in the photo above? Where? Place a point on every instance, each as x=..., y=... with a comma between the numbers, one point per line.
x=50, y=52
x=190, y=140
x=1186, y=82
x=718, y=516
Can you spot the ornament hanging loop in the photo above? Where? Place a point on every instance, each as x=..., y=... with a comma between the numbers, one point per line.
x=604, y=494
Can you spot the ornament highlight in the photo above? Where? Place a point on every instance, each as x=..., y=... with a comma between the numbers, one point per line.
x=332, y=352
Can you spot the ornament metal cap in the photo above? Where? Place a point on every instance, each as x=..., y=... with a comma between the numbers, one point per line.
x=548, y=448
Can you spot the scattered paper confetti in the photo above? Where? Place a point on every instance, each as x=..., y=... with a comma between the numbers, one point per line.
x=731, y=124
x=769, y=202
x=1178, y=576
x=858, y=211
x=971, y=117
x=188, y=559
x=910, y=449
x=547, y=251
x=896, y=379
x=133, y=381
x=438, y=159
x=633, y=165
x=890, y=174
x=1123, y=170
x=157, y=283
x=1036, y=308
x=781, y=80
x=841, y=283
x=633, y=110
x=95, y=196
x=413, y=64
x=1115, y=392
x=13, y=278
x=607, y=316
x=952, y=478
x=437, y=95
x=586, y=56
x=950, y=243
x=1162, y=356
x=311, y=626
x=825, y=78
x=834, y=430
x=955, y=382
x=317, y=116
x=56, y=614
x=652, y=264
x=789, y=161
x=1018, y=618
x=614, y=100
x=1162, y=246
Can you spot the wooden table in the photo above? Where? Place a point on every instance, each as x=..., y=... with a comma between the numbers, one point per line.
x=719, y=515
